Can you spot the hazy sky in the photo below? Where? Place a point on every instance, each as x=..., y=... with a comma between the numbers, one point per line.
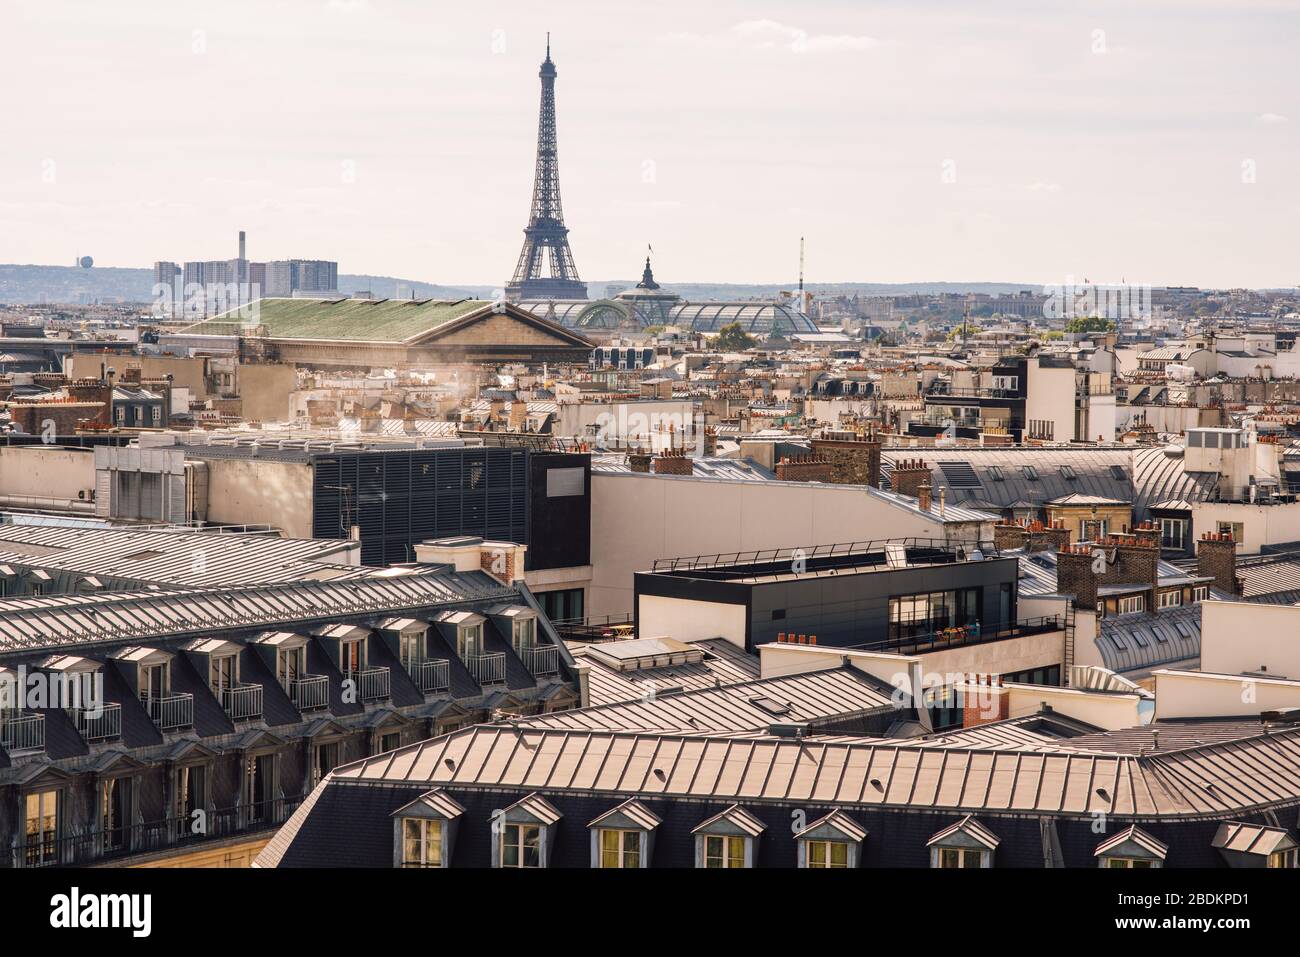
x=912, y=140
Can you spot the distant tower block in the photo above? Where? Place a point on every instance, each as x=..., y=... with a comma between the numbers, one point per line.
x=545, y=234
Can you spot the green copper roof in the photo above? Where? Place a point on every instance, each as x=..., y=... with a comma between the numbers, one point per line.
x=363, y=320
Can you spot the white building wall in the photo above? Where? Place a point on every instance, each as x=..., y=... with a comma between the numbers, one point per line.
x=637, y=518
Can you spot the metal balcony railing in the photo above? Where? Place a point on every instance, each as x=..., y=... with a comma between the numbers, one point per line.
x=242, y=702
x=960, y=635
x=371, y=683
x=171, y=711
x=488, y=669
x=51, y=850
x=310, y=692
x=541, y=659
x=98, y=725
x=22, y=732
x=430, y=676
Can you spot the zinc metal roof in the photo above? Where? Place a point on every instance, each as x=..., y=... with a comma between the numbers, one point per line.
x=1251, y=773
x=1092, y=469
x=1150, y=639
x=182, y=557
x=812, y=697
x=724, y=663
x=56, y=621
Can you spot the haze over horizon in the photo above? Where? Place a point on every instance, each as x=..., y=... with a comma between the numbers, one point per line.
x=909, y=142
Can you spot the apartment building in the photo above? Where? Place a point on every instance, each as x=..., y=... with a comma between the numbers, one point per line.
x=180, y=727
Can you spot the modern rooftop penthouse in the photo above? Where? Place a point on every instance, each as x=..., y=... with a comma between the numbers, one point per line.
x=902, y=595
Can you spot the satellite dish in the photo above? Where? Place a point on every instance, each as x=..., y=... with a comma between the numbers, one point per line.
x=85, y=262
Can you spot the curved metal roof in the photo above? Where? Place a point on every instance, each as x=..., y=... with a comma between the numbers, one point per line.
x=1159, y=476
x=1144, y=640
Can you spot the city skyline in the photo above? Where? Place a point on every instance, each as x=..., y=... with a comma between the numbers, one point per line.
x=1102, y=142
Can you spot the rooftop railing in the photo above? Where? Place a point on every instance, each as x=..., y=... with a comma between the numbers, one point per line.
x=430, y=676
x=371, y=683
x=541, y=659
x=840, y=555
x=487, y=669
x=242, y=702
x=20, y=731
x=960, y=635
x=172, y=711
x=309, y=692
x=102, y=724
x=54, y=850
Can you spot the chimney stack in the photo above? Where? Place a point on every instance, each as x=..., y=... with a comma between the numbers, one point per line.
x=1216, y=557
x=673, y=462
x=908, y=476
x=923, y=496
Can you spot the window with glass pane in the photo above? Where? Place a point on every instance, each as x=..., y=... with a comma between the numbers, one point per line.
x=521, y=845
x=290, y=665
x=470, y=639
x=1126, y=862
x=153, y=682
x=223, y=673
x=421, y=843
x=412, y=649
x=620, y=848
x=113, y=810
x=42, y=826
x=956, y=857
x=827, y=854
x=525, y=634
x=353, y=657
x=722, y=851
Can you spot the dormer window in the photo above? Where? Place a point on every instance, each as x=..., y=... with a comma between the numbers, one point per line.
x=1131, y=848
x=833, y=841
x=1256, y=845
x=290, y=665
x=521, y=846
x=352, y=656
x=223, y=673
x=424, y=830
x=469, y=640
x=524, y=635
x=421, y=843
x=728, y=840
x=963, y=845
x=155, y=680
x=623, y=836
x=523, y=833
x=411, y=648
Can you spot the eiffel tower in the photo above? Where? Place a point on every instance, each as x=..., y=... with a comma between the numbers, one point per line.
x=546, y=232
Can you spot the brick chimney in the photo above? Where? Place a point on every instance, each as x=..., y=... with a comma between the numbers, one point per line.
x=984, y=700
x=923, y=498
x=908, y=476
x=1008, y=536
x=854, y=456
x=1216, y=557
x=1074, y=575
x=673, y=462
x=639, y=461
x=804, y=468
x=1129, y=558
x=1050, y=537
x=710, y=440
